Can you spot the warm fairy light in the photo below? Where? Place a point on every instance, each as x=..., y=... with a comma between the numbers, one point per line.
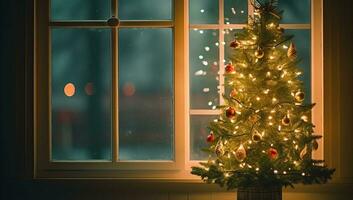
x=270, y=123
x=205, y=62
x=258, y=98
x=304, y=118
x=273, y=111
x=268, y=74
x=296, y=146
x=217, y=44
x=241, y=75
x=279, y=127
x=285, y=46
x=232, y=120
x=201, y=31
x=205, y=90
x=275, y=171
x=272, y=57
x=270, y=117
x=257, y=169
x=290, y=82
x=230, y=82
x=266, y=91
x=200, y=57
x=303, y=174
x=210, y=103
x=236, y=127
x=226, y=175
x=284, y=172
x=207, y=48
x=69, y=89
x=214, y=107
x=238, y=112
x=271, y=145
x=216, y=120
x=249, y=166
x=202, y=10
x=285, y=139
x=274, y=100
x=250, y=142
x=298, y=73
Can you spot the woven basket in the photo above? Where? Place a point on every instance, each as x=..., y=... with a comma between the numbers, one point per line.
x=259, y=193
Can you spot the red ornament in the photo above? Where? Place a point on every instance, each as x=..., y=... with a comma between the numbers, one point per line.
x=272, y=153
x=230, y=112
x=234, y=44
x=229, y=68
x=210, y=138
x=233, y=93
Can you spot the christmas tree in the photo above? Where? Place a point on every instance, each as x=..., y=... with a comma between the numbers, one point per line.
x=264, y=136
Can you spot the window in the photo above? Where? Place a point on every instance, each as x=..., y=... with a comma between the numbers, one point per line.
x=127, y=86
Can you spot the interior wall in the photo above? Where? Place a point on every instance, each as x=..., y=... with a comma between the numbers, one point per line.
x=16, y=170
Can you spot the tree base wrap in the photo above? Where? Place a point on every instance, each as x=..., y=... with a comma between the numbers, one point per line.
x=259, y=193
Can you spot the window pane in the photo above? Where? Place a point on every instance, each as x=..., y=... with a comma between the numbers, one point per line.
x=80, y=9
x=295, y=11
x=81, y=94
x=235, y=11
x=302, y=41
x=146, y=94
x=145, y=9
x=198, y=135
x=203, y=11
x=204, y=68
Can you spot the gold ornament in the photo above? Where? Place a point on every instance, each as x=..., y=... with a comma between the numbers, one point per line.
x=240, y=153
x=271, y=83
x=286, y=120
x=303, y=152
x=299, y=96
x=219, y=149
x=254, y=118
x=292, y=52
x=259, y=53
x=256, y=136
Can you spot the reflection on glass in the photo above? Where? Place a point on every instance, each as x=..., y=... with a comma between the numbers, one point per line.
x=295, y=11
x=146, y=94
x=198, y=135
x=81, y=123
x=302, y=41
x=203, y=12
x=204, y=68
x=80, y=9
x=145, y=9
x=235, y=11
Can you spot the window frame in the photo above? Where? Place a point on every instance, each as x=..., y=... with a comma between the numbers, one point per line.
x=179, y=168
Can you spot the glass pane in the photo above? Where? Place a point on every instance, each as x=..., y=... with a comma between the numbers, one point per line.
x=203, y=12
x=302, y=42
x=145, y=9
x=198, y=135
x=204, y=68
x=235, y=11
x=146, y=94
x=295, y=11
x=80, y=9
x=81, y=94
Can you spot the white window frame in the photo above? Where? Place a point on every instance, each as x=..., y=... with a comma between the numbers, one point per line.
x=179, y=168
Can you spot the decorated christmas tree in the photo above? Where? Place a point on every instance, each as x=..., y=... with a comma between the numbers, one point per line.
x=264, y=135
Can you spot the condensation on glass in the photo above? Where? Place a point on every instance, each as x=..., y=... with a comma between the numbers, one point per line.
x=145, y=9
x=146, y=94
x=81, y=94
x=80, y=9
x=204, y=68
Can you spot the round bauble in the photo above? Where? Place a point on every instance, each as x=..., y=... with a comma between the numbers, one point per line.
x=233, y=93
x=299, y=96
x=229, y=68
x=259, y=53
x=272, y=153
x=286, y=120
x=210, y=138
x=234, y=44
x=230, y=112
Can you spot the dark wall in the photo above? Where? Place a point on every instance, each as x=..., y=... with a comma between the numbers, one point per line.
x=15, y=40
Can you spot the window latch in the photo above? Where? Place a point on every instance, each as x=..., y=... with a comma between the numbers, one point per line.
x=113, y=21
